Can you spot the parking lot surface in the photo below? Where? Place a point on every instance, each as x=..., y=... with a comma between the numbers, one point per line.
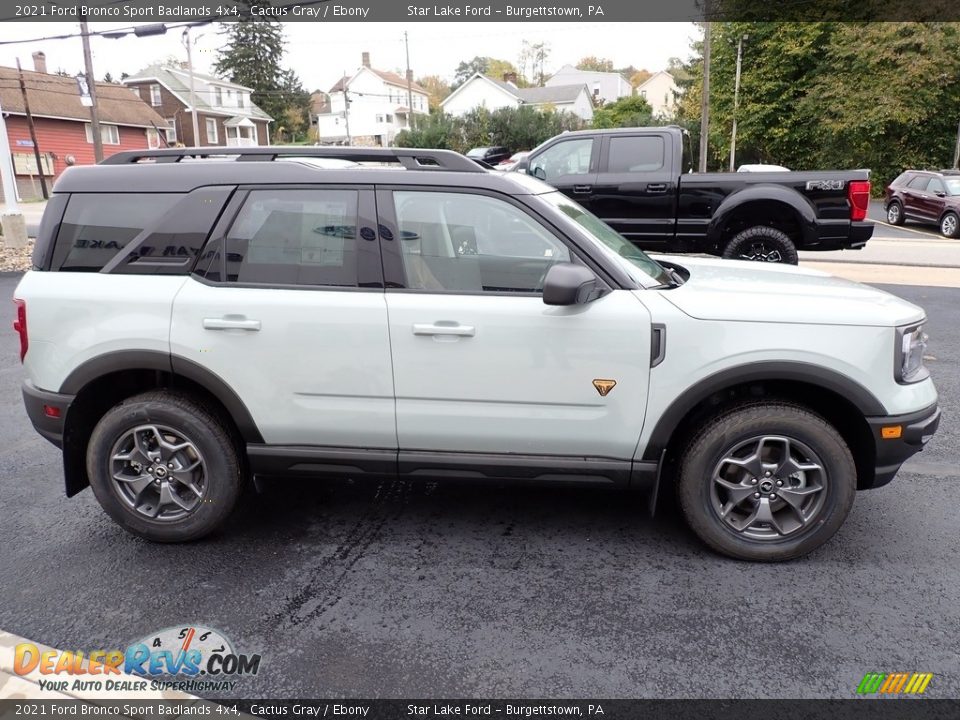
x=407, y=589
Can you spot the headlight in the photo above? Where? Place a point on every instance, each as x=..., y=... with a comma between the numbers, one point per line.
x=911, y=347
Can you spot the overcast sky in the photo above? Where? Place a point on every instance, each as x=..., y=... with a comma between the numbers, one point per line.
x=320, y=53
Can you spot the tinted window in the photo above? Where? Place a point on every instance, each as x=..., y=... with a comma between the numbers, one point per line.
x=919, y=182
x=935, y=186
x=473, y=243
x=96, y=226
x=636, y=154
x=295, y=237
x=570, y=157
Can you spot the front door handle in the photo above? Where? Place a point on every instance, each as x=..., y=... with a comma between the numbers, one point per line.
x=440, y=328
x=656, y=187
x=580, y=189
x=231, y=322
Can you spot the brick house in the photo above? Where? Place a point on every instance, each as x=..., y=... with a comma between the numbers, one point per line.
x=225, y=114
x=62, y=124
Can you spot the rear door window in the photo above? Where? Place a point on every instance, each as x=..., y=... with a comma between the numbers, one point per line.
x=636, y=154
x=919, y=182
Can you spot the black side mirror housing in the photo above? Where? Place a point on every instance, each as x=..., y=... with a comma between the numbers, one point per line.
x=569, y=284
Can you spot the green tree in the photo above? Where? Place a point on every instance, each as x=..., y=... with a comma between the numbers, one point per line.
x=629, y=111
x=468, y=68
x=251, y=56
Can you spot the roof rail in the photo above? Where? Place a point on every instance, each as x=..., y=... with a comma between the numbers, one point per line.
x=409, y=158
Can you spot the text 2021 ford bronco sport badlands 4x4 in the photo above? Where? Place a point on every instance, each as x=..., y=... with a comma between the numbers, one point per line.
x=189, y=325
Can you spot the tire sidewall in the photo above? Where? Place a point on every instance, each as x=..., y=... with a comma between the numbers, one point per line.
x=956, y=230
x=771, y=236
x=696, y=479
x=899, y=218
x=223, y=474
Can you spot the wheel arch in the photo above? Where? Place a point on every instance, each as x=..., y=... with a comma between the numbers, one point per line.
x=763, y=205
x=840, y=400
x=103, y=381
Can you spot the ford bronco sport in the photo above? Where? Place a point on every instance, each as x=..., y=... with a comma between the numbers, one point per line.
x=194, y=321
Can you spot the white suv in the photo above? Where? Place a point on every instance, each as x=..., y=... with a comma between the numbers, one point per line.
x=190, y=325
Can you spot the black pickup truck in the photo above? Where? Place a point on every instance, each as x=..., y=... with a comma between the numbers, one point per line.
x=640, y=181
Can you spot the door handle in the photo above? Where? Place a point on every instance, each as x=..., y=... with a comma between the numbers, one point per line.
x=656, y=187
x=231, y=322
x=444, y=329
x=582, y=188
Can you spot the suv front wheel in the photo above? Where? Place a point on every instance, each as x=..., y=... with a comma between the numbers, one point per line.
x=164, y=467
x=768, y=481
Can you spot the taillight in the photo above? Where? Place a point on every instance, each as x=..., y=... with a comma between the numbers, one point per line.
x=858, y=193
x=20, y=325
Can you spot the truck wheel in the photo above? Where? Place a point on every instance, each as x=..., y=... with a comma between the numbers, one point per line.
x=895, y=213
x=950, y=225
x=766, y=481
x=763, y=244
x=164, y=468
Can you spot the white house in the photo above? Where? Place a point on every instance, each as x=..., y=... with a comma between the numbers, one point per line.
x=483, y=91
x=660, y=90
x=606, y=86
x=377, y=110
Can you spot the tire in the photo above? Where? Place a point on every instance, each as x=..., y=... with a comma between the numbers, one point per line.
x=741, y=532
x=761, y=244
x=204, y=478
x=950, y=225
x=895, y=213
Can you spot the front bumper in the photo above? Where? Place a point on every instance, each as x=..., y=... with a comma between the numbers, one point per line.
x=47, y=411
x=915, y=430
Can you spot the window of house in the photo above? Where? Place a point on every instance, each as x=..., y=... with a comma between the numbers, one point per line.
x=240, y=99
x=389, y=118
x=643, y=94
x=171, y=130
x=218, y=96
x=155, y=98
x=469, y=243
x=211, y=124
x=569, y=157
x=109, y=134
x=295, y=237
x=637, y=153
x=379, y=118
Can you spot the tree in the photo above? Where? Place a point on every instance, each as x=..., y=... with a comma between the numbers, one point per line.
x=108, y=78
x=629, y=111
x=534, y=56
x=640, y=77
x=595, y=64
x=251, y=57
x=468, y=68
x=437, y=88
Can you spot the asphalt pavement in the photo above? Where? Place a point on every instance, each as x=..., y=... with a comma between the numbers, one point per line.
x=403, y=589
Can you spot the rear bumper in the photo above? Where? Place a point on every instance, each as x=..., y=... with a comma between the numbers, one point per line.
x=39, y=404
x=840, y=235
x=915, y=430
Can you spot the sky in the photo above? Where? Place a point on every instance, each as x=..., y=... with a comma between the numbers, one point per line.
x=320, y=54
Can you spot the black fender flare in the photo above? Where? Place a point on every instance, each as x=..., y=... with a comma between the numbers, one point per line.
x=850, y=390
x=801, y=208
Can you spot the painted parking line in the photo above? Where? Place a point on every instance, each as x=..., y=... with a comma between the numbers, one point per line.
x=904, y=228
x=890, y=274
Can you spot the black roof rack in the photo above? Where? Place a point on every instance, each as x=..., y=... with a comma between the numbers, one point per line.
x=409, y=158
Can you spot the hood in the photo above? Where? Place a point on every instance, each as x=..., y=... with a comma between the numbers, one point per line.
x=767, y=292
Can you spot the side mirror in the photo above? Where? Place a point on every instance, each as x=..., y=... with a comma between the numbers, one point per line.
x=940, y=193
x=539, y=173
x=569, y=284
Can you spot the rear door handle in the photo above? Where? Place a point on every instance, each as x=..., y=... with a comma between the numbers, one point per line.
x=444, y=329
x=656, y=187
x=582, y=188
x=229, y=322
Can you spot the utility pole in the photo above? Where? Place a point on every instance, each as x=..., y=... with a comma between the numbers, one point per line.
x=705, y=99
x=33, y=133
x=736, y=101
x=346, y=107
x=406, y=44
x=92, y=84
x=193, y=97
x=956, y=152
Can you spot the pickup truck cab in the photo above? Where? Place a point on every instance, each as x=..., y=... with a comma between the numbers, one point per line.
x=640, y=182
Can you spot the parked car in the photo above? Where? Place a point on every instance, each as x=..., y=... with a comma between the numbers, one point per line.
x=928, y=197
x=638, y=181
x=189, y=326
x=513, y=161
x=489, y=155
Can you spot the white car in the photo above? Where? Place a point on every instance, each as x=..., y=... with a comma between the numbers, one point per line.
x=190, y=325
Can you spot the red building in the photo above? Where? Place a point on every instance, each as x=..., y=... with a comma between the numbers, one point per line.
x=63, y=127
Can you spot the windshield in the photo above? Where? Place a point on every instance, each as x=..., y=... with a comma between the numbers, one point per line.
x=953, y=185
x=607, y=236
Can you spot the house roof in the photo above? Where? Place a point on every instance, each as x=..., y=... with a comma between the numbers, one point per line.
x=58, y=96
x=570, y=68
x=177, y=81
x=391, y=78
x=555, y=94
x=652, y=77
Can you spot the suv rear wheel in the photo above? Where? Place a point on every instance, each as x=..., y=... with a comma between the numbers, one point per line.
x=768, y=481
x=763, y=244
x=164, y=468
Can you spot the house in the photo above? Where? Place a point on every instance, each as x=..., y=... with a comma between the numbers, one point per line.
x=604, y=87
x=483, y=91
x=62, y=124
x=661, y=91
x=225, y=113
x=370, y=107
